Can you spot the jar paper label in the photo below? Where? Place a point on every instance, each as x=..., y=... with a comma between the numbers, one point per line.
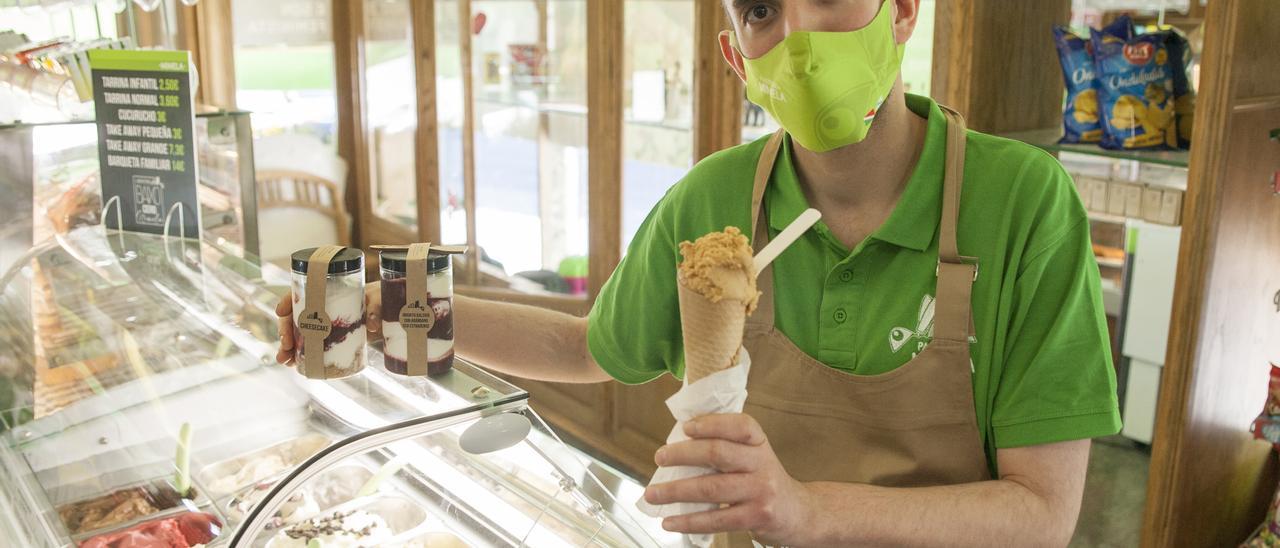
x=314, y=322
x=417, y=317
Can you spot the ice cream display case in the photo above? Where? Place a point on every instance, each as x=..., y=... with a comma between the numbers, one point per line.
x=49, y=177
x=184, y=432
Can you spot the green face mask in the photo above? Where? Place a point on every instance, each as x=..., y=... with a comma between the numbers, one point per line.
x=825, y=88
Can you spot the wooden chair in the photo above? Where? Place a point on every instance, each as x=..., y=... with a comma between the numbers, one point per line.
x=285, y=188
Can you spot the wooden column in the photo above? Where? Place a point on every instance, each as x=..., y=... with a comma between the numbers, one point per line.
x=472, y=274
x=552, y=187
x=348, y=52
x=426, y=140
x=1210, y=482
x=718, y=92
x=148, y=27
x=205, y=30
x=1000, y=80
x=605, y=34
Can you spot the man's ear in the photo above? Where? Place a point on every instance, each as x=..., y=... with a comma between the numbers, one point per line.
x=905, y=15
x=732, y=55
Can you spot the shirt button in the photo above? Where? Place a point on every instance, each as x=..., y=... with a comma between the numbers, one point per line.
x=840, y=315
x=846, y=276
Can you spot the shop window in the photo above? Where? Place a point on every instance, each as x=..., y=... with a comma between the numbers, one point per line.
x=391, y=110
x=658, y=104
x=284, y=62
x=449, y=118
x=79, y=22
x=529, y=67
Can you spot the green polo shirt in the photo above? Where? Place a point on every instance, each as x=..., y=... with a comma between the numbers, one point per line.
x=1041, y=353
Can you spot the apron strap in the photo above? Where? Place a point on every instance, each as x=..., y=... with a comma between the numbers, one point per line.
x=953, y=176
x=764, y=168
x=763, y=316
x=956, y=273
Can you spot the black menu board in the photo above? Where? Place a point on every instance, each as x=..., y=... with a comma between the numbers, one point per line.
x=143, y=103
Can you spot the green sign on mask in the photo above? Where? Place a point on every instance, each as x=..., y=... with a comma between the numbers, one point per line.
x=824, y=88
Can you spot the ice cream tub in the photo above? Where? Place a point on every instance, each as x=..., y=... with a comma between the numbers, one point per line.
x=178, y=528
x=373, y=521
x=435, y=539
x=228, y=476
x=328, y=311
x=329, y=489
x=417, y=305
x=125, y=505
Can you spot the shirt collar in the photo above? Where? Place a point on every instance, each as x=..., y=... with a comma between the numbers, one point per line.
x=914, y=220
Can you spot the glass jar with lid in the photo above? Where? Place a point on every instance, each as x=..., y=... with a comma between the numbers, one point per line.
x=439, y=343
x=344, y=346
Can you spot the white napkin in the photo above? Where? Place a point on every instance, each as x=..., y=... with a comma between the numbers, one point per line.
x=721, y=392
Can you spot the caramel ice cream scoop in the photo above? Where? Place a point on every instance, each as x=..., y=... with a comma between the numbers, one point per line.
x=717, y=289
x=719, y=266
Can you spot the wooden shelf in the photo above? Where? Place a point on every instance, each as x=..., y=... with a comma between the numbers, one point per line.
x=1048, y=139
x=1108, y=262
x=1108, y=218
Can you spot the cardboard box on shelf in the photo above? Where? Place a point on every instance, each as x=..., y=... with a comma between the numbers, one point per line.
x=1152, y=202
x=1133, y=201
x=1083, y=186
x=1116, y=193
x=1098, y=189
x=1171, y=208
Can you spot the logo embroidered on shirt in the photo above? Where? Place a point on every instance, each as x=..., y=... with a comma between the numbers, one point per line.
x=922, y=334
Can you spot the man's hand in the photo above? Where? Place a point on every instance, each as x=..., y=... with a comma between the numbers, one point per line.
x=763, y=498
x=1034, y=503
x=284, y=321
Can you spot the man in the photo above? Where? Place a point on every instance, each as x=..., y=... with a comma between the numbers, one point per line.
x=924, y=373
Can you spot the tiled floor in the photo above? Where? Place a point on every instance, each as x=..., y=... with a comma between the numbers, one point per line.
x=1114, y=494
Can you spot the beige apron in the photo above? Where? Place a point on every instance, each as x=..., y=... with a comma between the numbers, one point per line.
x=913, y=426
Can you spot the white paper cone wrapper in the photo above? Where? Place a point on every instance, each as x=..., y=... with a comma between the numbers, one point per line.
x=721, y=392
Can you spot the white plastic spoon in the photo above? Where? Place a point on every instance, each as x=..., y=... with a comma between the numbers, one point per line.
x=387, y=470
x=785, y=238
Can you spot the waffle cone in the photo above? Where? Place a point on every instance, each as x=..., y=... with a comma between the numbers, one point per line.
x=712, y=332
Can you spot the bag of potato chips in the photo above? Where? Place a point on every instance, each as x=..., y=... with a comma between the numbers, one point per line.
x=1135, y=91
x=1080, y=121
x=1183, y=98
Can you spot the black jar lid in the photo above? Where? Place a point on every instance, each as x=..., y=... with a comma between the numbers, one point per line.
x=395, y=261
x=348, y=260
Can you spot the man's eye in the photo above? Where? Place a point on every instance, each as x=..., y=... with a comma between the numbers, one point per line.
x=758, y=12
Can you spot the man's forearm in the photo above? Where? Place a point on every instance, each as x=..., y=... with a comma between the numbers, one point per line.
x=525, y=341
x=990, y=513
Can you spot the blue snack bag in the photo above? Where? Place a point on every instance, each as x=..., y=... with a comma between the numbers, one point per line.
x=1183, y=98
x=1135, y=91
x=1121, y=28
x=1080, y=120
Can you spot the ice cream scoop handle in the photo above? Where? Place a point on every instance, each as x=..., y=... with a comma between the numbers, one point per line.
x=183, y=460
x=785, y=238
x=389, y=469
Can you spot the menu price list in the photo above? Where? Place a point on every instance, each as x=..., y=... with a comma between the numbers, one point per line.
x=146, y=146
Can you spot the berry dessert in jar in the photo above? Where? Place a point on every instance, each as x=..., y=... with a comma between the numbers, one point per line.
x=434, y=314
x=343, y=289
